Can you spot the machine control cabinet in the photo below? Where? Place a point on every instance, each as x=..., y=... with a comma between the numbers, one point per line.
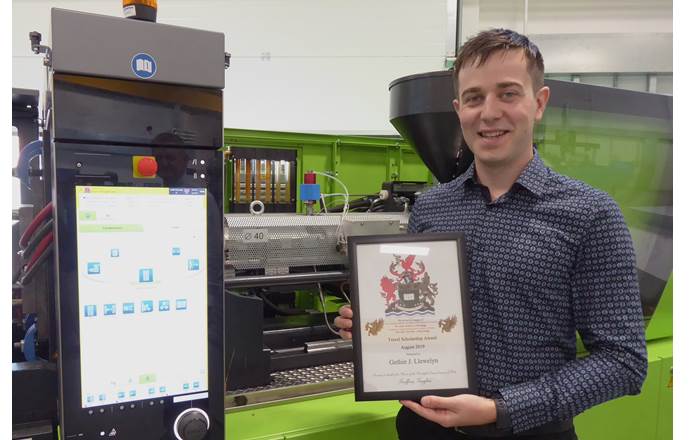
x=138, y=190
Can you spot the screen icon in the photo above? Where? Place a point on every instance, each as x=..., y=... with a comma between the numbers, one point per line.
x=193, y=264
x=163, y=305
x=146, y=306
x=114, y=253
x=120, y=394
x=90, y=399
x=110, y=309
x=128, y=308
x=162, y=389
x=145, y=275
x=132, y=393
x=176, y=251
x=195, y=384
x=185, y=386
x=93, y=268
x=181, y=304
x=102, y=397
x=151, y=390
x=90, y=310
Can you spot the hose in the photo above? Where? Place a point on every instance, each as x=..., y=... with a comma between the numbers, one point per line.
x=40, y=250
x=33, y=269
x=40, y=217
x=38, y=236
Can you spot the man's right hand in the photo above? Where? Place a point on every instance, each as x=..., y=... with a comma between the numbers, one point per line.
x=344, y=322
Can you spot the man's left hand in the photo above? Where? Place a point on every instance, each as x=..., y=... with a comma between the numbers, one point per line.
x=460, y=410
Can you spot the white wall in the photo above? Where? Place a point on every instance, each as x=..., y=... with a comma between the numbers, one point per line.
x=296, y=65
x=325, y=65
x=589, y=38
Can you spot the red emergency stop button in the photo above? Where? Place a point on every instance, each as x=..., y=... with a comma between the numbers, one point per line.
x=145, y=166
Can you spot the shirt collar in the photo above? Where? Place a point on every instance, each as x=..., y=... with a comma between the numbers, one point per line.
x=533, y=178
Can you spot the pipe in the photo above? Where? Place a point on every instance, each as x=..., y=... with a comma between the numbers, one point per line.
x=286, y=280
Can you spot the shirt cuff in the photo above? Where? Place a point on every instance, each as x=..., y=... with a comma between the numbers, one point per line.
x=502, y=415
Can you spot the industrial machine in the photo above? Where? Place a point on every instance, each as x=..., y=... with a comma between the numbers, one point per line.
x=277, y=344
x=616, y=140
x=131, y=140
x=192, y=282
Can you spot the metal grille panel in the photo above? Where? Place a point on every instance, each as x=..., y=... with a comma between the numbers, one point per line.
x=280, y=241
x=305, y=376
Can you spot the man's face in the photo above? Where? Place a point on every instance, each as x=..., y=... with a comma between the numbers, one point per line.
x=497, y=108
x=172, y=162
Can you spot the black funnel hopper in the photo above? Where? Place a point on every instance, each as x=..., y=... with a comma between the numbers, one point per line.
x=421, y=111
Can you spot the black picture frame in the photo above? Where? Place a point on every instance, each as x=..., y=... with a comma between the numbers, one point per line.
x=360, y=293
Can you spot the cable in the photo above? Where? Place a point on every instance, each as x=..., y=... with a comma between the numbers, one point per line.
x=45, y=211
x=325, y=314
x=354, y=204
x=347, y=193
x=323, y=307
x=29, y=152
x=36, y=238
x=372, y=205
x=343, y=195
x=276, y=308
x=33, y=269
x=40, y=249
x=345, y=283
x=341, y=238
x=323, y=204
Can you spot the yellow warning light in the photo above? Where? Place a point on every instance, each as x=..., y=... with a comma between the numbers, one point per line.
x=151, y=3
x=140, y=9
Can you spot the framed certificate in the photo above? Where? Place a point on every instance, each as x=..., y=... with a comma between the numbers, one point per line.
x=411, y=316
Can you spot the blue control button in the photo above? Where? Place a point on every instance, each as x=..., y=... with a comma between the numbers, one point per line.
x=93, y=268
x=145, y=275
x=193, y=264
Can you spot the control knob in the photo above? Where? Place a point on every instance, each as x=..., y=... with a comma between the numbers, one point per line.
x=191, y=424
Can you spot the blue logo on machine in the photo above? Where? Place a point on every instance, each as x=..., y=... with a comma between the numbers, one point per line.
x=143, y=65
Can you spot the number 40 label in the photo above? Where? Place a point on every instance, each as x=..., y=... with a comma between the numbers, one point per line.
x=255, y=235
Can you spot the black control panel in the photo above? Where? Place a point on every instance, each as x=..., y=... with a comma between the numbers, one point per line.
x=193, y=409
x=138, y=192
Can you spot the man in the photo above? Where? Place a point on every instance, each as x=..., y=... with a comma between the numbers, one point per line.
x=172, y=162
x=549, y=256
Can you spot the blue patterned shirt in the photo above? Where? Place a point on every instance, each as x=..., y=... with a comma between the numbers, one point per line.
x=551, y=257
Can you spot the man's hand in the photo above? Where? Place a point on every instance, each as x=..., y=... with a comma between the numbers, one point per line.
x=344, y=322
x=460, y=410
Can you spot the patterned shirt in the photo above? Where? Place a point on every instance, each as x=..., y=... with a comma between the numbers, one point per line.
x=551, y=257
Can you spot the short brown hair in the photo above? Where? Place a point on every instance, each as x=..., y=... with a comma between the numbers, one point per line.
x=477, y=50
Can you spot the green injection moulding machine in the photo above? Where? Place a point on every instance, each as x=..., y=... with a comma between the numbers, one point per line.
x=616, y=140
x=280, y=371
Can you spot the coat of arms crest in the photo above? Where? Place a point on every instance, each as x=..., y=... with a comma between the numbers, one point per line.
x=407, y=289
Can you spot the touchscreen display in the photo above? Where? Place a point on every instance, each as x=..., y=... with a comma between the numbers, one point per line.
x=142, y=292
